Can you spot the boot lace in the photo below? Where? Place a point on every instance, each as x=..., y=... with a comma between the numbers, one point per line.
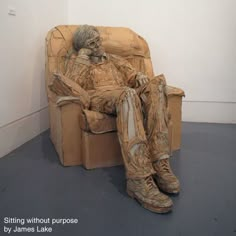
x=150, y=183
x=165, y=166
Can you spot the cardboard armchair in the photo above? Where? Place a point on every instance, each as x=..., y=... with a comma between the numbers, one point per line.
x=86, y=137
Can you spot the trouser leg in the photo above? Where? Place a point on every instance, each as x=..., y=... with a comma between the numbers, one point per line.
x=132, y=136
x=154, y=102
x=125, y=103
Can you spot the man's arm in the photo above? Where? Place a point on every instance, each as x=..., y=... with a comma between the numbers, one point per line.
x=77, y=68
x=72, y=85
x=132, y=77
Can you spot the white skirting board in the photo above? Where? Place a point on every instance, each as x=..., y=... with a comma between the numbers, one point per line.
x=209, y=111
x=17, y=133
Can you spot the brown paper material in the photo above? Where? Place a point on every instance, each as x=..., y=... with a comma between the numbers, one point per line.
x=76, y=142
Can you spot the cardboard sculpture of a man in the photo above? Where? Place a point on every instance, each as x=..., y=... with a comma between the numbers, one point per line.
x=113, y=86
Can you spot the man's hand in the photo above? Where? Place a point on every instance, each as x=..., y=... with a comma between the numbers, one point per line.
x=141, y=79
x=84, y=53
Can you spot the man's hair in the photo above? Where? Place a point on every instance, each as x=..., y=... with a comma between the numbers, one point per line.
x=82, y=34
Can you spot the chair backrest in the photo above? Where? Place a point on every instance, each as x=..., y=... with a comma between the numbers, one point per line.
x=116, y=40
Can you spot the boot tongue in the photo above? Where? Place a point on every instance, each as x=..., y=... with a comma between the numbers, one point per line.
x=165, y=165
x=150, y=183
x=162, y=166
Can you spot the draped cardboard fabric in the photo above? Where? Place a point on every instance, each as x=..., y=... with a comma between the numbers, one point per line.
x=77, y=139
x=62, y=86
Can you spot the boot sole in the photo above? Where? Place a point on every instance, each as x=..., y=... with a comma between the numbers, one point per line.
x=161, y=210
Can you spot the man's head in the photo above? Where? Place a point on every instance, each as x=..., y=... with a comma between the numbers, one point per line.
x=87, y=36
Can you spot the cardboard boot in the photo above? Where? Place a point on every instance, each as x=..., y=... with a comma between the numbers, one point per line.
x=164, y=176
x=148, y=195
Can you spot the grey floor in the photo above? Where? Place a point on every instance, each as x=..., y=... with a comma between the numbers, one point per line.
x=34, y=184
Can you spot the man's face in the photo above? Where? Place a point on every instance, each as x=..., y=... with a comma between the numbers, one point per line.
x=95, y=44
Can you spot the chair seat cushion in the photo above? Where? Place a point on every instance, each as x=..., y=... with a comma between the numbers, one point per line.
x=97, y=122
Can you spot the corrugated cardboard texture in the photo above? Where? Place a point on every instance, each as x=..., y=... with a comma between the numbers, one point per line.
x=74, y=145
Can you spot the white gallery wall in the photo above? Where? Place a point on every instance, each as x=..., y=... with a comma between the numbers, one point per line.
x=191, y=42
x=23, y=102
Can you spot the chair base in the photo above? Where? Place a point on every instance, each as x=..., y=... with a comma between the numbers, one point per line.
x=94, y=156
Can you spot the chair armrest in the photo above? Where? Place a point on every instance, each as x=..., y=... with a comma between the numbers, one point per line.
x=69, y=90
x=64, y=100
x=173, y=91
